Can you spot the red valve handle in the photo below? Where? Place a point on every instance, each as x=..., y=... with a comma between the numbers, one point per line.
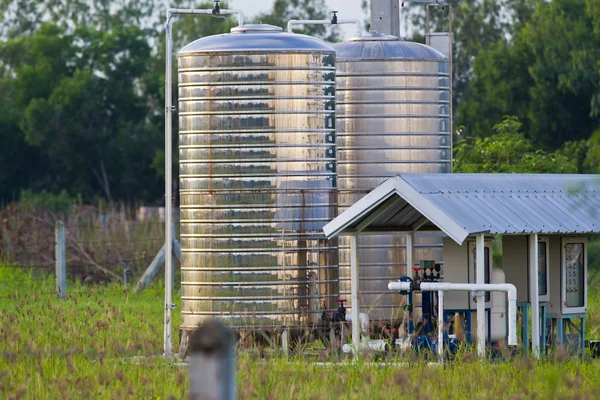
x=341, y=301
x=417, y=269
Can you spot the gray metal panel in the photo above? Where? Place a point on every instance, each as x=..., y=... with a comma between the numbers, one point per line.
x=493, y=203
x=257, y=179
x=392, y=116
x=510, y=203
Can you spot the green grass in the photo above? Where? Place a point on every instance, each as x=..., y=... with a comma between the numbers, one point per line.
x=105, y=343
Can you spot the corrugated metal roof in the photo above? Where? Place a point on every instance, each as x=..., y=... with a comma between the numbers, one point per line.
x=464, y=204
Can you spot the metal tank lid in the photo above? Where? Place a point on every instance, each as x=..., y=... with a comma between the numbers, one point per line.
x=257, y=38
x=377, y=46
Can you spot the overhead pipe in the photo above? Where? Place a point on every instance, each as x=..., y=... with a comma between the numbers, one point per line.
x=333, y=21
x=508, y=288
x=216, y=11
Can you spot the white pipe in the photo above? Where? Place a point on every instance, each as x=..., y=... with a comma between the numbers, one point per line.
x=480, y=279
x=534, y=296
x=291, y=23
x=374, y=345
x=441, y=325
x=168, y=349
x=354, y=290
x=191, y=11
x=364, y=322
x=508, y=288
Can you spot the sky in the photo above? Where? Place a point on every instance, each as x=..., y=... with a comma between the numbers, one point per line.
x=346, y=9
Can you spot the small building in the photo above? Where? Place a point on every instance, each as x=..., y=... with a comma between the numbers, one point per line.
x=543, y=222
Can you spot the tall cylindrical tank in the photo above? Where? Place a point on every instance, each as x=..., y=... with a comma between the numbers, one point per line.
x=257, y=178
x=393, y=116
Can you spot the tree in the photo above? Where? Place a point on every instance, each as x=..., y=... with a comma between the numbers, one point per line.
x=476, y=25
x=507, y=151
x=82, y=109
x=547, y=74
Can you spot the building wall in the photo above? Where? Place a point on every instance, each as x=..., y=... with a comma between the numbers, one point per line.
x=515, y=265
x=456, y=269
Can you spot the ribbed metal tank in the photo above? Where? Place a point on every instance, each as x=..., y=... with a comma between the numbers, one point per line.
x=393, y=116
x=257, y=178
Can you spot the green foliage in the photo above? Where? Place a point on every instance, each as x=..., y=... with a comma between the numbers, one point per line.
x=546, y=73
x=508, y=151
x=44, y=200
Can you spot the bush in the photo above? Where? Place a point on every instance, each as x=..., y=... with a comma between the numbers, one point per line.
x=46, y=201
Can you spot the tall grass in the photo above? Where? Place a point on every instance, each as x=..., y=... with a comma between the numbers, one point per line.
x=105, y=343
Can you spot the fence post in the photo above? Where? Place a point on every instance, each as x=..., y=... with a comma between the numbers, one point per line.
x=212, y=362
x=59, y=256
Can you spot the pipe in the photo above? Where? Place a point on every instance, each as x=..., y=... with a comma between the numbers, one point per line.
x=364, y=322
x=191, y=11
x=510, y=289
x=293, y=22
x=374, y=345
x=440, y=343
x=480, y=298
x=168, y=349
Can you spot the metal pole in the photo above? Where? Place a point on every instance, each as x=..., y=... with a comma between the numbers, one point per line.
x=534, y=296
x=385, y=16
x=168, y=349
x=410, y=252
x=59, y=257
x=480, y=275
x=354, y=274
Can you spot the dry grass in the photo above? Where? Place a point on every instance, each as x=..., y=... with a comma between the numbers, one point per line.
x=105, y=241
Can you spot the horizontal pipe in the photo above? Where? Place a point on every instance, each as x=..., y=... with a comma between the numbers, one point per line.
x=374, y=345
x=508, y=288
x=291, y=23
x=190, y=11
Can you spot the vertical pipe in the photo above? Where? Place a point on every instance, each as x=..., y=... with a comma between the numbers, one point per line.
x=534, y=295
x=59, y=257
x=168, y=188
x=354, y=293
x=441, y=325
x=480, y=279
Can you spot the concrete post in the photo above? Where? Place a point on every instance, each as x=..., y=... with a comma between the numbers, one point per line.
x=59, y=257
x=212, y=362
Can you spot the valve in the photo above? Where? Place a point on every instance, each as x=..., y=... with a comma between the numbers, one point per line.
x=340, y=316
x=334, y=19
x=216, y=10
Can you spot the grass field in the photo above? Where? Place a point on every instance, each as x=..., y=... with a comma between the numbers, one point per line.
x=105, y=343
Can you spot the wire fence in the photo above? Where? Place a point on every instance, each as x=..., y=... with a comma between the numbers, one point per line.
x=99, y=247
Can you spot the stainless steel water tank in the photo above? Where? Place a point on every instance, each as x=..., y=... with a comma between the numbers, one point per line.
x=257, y=178
x=393, y=116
